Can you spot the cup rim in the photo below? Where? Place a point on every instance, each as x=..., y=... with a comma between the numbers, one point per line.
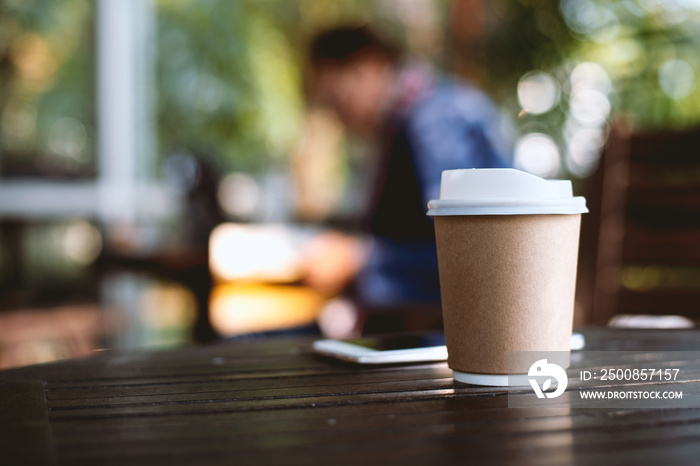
x=532, y=206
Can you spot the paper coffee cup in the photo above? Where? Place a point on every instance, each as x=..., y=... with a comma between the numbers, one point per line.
x=507, y=245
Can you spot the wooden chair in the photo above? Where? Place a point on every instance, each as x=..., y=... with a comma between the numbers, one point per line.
x=645, y=256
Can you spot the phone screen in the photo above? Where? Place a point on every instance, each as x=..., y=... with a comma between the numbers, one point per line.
x=398, y=342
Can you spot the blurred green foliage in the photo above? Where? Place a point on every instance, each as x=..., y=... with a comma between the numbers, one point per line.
x=226, y=78
x=524, y=35
x=46, y=88
x=649, y=48
x=229, y=72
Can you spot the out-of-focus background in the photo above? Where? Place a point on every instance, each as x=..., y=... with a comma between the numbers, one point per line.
x=160, y=173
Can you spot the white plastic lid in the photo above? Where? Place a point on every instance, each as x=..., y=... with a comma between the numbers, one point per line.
x=503, y=191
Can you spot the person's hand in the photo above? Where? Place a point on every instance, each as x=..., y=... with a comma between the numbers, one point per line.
x=331, y=260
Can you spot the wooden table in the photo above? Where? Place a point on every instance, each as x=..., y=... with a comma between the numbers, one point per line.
x=273, y=402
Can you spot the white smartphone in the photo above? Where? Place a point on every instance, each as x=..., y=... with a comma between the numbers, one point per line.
x=386, y=349
x=396, y=349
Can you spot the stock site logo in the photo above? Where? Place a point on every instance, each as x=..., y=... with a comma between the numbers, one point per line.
x=541, y=370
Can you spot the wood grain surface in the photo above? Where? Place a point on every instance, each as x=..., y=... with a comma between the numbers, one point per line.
x=274, y=402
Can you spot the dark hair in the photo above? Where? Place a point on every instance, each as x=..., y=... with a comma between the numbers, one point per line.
x=339, y=45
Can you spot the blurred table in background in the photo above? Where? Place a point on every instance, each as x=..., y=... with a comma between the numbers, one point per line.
x=273, y=402
x=31, y=336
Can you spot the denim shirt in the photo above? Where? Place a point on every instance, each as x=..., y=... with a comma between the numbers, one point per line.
x=438, y=124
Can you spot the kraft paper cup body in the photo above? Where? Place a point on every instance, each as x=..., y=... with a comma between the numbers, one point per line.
x=507, y=279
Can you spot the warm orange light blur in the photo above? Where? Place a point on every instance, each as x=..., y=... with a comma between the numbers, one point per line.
x=244, y=308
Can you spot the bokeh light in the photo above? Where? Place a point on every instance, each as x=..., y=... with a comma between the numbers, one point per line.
x=338, y=319
x=239, y=195
x=67, y=138
x=676, y=78
x=538, y=154
x=538, y=92
x=583, y=150
x=591, y=19
x=589, y=106
x=590, y=75
x=254, y=253
x=82, y=242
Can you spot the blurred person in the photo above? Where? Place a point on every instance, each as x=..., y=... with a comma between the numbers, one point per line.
x=419, y=123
